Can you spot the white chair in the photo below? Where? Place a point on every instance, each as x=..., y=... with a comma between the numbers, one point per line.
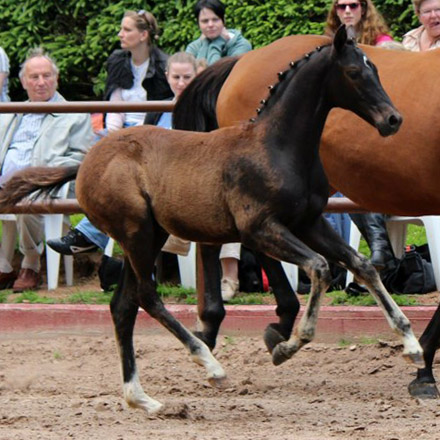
x=397, y=229
x=187, y=268
x=187, y=264
x=291, y=271
x=54, y=227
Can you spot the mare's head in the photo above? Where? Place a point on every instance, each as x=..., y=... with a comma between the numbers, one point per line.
x=354, y=85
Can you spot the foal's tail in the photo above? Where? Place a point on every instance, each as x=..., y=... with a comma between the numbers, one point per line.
x=195, y=108
x=38, y=181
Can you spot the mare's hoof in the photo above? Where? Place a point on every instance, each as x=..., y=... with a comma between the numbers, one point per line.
x=415, y=358
x=423, y=390
x=272, y=337
x=219, y=382
x=280, y=354
x=203, y=338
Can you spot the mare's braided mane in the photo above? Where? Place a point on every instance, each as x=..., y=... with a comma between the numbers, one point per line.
x=293, y=68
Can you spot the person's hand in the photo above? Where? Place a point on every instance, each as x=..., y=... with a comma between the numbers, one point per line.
x=225, y=34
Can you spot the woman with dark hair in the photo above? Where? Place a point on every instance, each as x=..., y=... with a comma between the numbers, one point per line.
x=216, y=41
x=362, y=14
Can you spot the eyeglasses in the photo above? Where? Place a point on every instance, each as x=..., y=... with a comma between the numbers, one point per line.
x=142, y=12
x=351, y=6
x=428, y=12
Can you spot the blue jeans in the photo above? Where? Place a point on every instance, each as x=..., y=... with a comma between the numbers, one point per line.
x=340, y=222
x=93, y=234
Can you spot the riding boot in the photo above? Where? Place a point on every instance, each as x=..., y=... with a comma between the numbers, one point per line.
x=373, y=228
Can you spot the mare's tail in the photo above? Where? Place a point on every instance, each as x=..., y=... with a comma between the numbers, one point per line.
x=195, y=108
x=38, y=181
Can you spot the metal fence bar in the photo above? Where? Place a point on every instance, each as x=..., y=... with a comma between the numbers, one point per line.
x=71, y=206
x=85, y=107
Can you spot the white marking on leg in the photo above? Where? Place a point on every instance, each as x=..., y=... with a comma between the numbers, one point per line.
x=203, y=356
x=136, y=398
x=412, y=351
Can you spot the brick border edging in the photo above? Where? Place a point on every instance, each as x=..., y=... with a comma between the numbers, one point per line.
x=334, y=323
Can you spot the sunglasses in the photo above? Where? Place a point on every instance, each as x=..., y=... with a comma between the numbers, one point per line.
x=351, y=6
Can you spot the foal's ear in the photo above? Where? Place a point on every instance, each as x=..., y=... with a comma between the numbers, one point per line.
x=340, y=39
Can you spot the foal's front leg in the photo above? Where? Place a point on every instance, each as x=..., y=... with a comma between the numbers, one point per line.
x=287, y=302
x=210, y=306
x=276, y=241
x=323, y=239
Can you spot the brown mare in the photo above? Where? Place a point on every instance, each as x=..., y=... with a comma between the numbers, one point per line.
x=260, y=183
x=396, y=175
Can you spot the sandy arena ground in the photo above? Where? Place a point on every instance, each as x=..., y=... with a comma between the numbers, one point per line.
x=64, y=386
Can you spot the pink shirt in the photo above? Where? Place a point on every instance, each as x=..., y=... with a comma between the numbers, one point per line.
x=382, y=38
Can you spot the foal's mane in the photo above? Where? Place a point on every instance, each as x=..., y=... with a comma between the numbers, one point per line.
x=284, y=78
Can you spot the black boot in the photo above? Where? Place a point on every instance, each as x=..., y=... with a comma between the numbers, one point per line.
x=373, y=229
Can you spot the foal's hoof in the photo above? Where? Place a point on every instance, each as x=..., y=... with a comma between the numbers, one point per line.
x=174, y=411
x=281, y=354
x=415, y=358
x=272, y=337
x=219, y=382
x=423, y=390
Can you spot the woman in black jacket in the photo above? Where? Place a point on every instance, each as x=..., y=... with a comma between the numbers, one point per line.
x=136, y=72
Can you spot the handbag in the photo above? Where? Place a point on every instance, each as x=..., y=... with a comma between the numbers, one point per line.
x=412, y=273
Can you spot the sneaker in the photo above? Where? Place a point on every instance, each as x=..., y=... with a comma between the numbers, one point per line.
x=75, y=242
x=229, y=289
x=27, y=279
x=7, y=279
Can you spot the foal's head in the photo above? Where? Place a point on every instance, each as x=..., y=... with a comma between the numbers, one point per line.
x=354, y=85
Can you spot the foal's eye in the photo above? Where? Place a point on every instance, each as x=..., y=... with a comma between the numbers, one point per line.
x=353, y=73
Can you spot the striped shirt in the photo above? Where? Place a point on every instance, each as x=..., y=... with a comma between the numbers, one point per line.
x=4, y=68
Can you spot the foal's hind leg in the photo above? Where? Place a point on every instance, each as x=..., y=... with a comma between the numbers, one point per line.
x=139, y=251
x=323, y=239
x=124, y=311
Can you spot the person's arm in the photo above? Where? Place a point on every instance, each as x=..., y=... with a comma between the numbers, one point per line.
x=383, y=39
x=115, y=121
x=238, y=46
x=3, y=76
x=70, y=138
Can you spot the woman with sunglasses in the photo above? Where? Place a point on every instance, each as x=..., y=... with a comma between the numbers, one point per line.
x=370, y=26
x=136, y=72
x=426, y=36
x=371, y=29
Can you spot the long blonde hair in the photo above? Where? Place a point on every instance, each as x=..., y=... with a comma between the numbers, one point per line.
x=370, y=27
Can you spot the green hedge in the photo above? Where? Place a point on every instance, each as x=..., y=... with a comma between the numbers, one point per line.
x=81, y=34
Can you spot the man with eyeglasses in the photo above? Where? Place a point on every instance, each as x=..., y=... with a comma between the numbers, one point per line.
x=426, y=36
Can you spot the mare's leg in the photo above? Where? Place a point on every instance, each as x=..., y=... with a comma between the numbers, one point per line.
x=287, y=302
x=210, y=307
x=275, y=240
x=323, y=239
x=423, y=385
